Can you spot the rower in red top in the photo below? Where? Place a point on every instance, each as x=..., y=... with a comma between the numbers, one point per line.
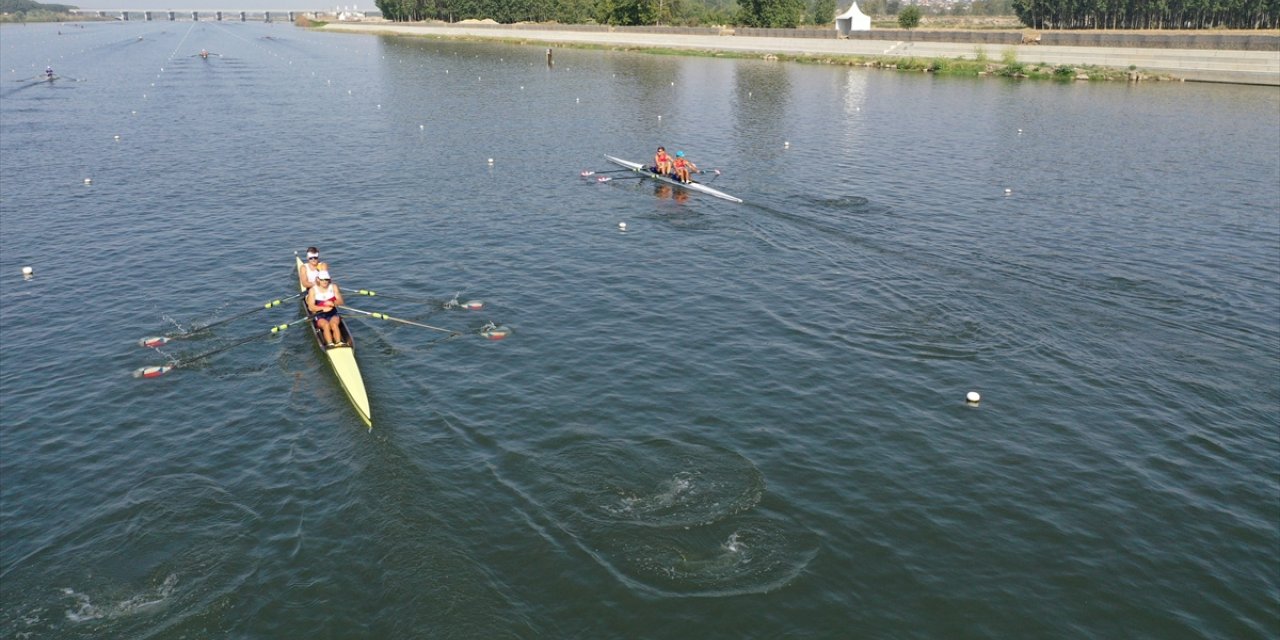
x=682, y=167
x=662, y=162
x=323, y=301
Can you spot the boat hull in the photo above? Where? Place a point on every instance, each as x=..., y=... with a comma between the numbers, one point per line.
x=342, y=361
x=692, y=186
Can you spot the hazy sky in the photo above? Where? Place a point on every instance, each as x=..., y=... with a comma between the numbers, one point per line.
x=213, y=5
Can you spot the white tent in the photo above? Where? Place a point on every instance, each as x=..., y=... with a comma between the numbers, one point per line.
x=852, y=20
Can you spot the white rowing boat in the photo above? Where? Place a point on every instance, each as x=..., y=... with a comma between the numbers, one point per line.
x=692, y=186
x=342, y=360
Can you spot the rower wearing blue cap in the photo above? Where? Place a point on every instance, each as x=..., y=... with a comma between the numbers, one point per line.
x=682, y=167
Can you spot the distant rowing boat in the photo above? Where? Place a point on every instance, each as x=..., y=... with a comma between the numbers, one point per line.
x=341, y=359
x=692, y=186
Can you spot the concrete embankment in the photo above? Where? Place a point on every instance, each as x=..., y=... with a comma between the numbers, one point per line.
x=1206, y=65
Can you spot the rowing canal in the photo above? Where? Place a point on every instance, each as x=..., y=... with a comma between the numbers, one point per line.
x=728, y=421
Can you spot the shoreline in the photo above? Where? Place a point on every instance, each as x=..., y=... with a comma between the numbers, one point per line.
x=1097, y=63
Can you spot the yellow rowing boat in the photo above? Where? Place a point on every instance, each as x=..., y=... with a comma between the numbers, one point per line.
x=343, y=362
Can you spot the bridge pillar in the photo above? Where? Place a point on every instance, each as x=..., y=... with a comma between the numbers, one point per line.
x=172, y=17
x=293, y=16
x=266, y=16
x=102, y=14
x=195, y=16
x=124, y=15
x=218, y=16
x=243, y=17
x=146, y=15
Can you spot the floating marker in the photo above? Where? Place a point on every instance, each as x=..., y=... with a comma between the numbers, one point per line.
x=973, y=397
x=673, y=83
x=88, y=180
x=1019, y=131
x=27, y=272
x=379, y=106
x=1008, y=191
x=117, y=136
x=622, y=226
x=659, y=118
x=422, y=127
x=786, y=144
x=152, y=372
x=490, y=160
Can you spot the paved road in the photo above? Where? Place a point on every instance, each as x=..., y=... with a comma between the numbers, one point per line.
x=1249, y=67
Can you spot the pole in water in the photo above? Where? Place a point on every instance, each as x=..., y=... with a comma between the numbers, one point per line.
x=550, y=63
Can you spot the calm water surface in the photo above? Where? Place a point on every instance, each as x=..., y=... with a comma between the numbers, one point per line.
x=729, y=421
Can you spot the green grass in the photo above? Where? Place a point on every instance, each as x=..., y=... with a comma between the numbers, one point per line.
x=980, y=66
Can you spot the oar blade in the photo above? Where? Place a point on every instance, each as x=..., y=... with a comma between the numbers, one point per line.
x=153, y=371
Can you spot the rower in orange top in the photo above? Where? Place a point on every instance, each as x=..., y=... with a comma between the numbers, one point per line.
x=682, y=167
x=323, y=301
x=662, y=162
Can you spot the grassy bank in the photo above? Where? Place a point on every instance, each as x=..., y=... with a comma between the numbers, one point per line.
x=979, y=64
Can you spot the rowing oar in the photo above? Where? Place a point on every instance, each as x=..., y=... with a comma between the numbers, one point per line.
x=637, y=176
x=470, y=305
x=159, y=370
x=383, y=316
x=588, y=173
x=157, y=341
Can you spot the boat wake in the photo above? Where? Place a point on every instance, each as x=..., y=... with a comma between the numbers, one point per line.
x=674, y=519
x=175, y=544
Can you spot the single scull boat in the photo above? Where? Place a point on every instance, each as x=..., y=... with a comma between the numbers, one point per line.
x=341, y=359
x=692, y=186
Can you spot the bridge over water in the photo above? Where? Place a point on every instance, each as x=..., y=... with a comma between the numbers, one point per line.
x=195, y=15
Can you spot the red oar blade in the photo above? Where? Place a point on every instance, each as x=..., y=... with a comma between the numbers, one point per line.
x=154, y=341
x=153, y=372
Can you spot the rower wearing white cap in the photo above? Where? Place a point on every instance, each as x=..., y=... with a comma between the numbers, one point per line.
x=312, y=266
x=323, y=301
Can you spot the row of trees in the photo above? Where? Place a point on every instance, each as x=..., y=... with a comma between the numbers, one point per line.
x=1148, y=14
x=1038, y=14
x=755, y=13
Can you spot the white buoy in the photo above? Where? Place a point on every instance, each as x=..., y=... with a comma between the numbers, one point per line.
x=490, y=160
x=88, y=180
x=659, y=118
x=422, y=127
x=673, y=83
x=27, y=272
x=786, y=144
x=1008, y=191
x=622, y=226
x=973, y=397
x=379, y=106
x=117, y=136
x=1019, y=131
